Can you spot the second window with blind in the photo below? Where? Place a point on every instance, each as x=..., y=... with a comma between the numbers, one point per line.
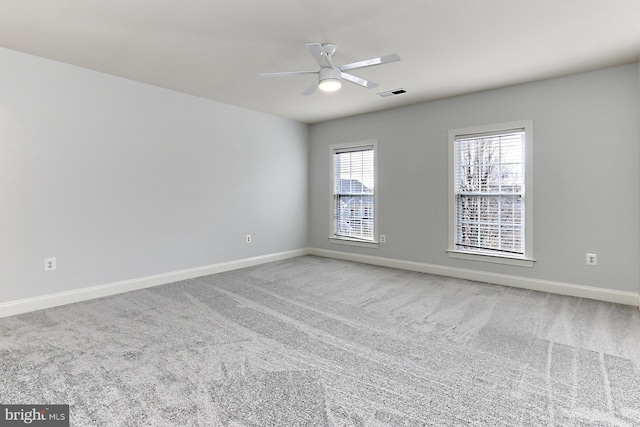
x=490, y=197
x=353, y=198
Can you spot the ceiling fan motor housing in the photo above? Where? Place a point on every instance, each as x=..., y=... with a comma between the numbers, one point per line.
x=329, y=73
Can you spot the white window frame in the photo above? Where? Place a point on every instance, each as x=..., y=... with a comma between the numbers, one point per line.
x=527, y=259
x=345, y=240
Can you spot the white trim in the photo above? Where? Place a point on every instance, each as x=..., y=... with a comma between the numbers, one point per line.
x=518, y=262
x=83, y=294
x=601, y=294
x=353, y=242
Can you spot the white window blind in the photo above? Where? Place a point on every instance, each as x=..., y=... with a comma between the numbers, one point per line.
x=489, y=193
x=353, y=193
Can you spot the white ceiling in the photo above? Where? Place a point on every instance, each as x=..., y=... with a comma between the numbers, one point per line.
x=216, y=48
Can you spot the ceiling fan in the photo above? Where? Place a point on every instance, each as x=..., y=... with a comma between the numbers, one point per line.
x=329, y=76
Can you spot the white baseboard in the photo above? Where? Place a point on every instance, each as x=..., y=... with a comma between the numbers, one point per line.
x=601, y=294
x=62, y=298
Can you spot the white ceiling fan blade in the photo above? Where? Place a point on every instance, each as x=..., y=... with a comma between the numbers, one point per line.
x=317, y=51
x=286, y=73
x=369, y=62
x=312, y=88
x=359, y=81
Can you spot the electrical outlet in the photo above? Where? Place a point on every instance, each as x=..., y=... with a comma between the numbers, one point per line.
x=49, y=264
x=592, y=259
x=248, y=238
x=383, y=238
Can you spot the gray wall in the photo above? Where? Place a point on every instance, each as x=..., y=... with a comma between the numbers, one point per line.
x=586, y=175
x=120, y=180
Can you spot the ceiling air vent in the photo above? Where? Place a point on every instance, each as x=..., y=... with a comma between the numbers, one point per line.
x=391, y=93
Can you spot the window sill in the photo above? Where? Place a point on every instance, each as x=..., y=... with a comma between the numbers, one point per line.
x=350, y=242
x=519, y=262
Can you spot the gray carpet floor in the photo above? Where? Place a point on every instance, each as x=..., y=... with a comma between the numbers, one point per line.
x=319, y=342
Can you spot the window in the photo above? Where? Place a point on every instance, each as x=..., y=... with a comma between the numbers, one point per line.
x=491, y=205
x=353, y=193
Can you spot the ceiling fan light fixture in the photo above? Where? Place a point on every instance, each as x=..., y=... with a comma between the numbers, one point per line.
x=330, y=85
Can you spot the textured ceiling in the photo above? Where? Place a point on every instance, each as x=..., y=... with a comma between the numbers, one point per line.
x=216, y=49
